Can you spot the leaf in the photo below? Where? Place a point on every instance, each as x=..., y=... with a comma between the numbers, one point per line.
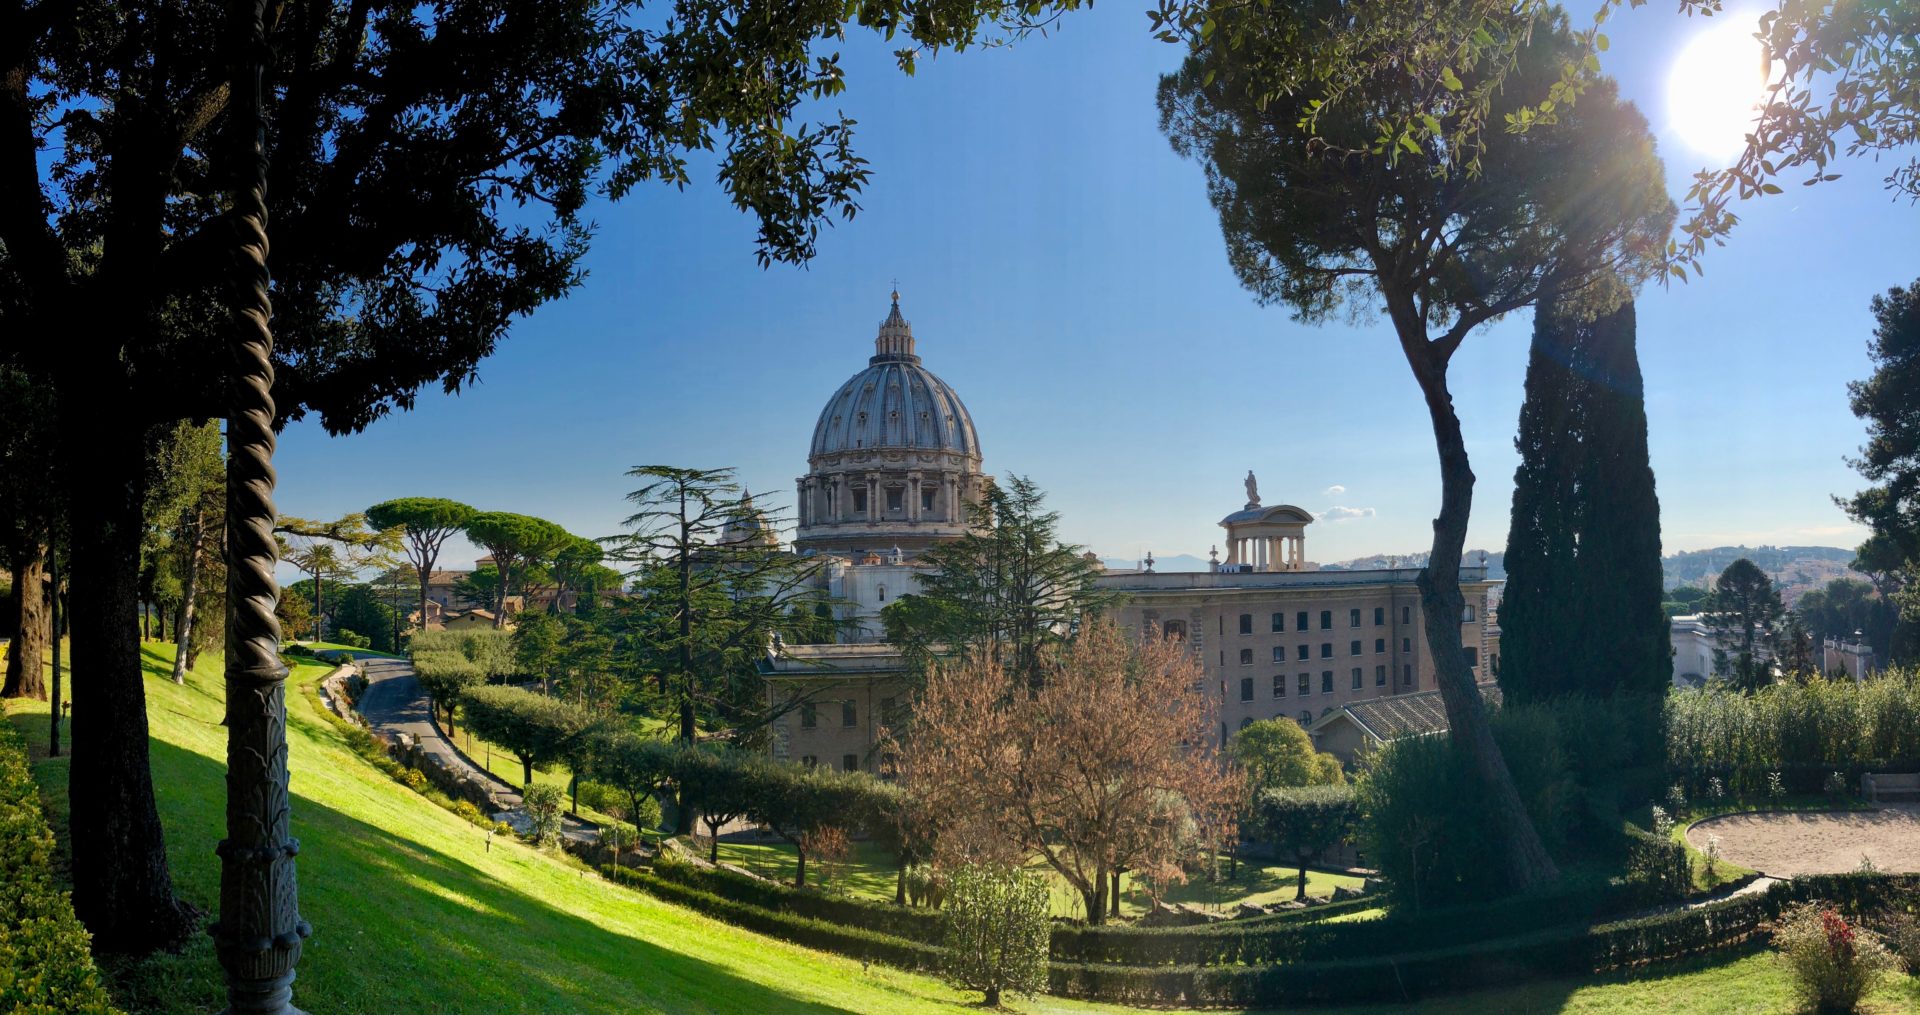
x=1407, y=142
x=1770, y=188
x=1449, y=79
x=1600, y=43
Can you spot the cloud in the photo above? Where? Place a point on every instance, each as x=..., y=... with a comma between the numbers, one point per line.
x=1334, y=491
x=1341, y=514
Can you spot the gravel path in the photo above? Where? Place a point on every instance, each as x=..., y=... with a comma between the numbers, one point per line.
x=394, y=702
x=1783, y=844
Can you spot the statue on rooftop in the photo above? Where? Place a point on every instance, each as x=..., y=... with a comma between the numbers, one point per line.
x=1253, y=490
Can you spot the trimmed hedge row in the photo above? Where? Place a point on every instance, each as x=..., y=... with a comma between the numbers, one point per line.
x=921, y=925
x=1566, y=951
x=856, y=942
x=45, y=965
x=1253, y=942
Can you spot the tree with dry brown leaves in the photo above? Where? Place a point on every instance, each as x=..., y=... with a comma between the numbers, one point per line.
x=1110, y=763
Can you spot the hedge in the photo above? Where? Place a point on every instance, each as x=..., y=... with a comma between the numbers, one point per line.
x=921, y=925
x=1564, y=951
x=1252, y=942
x=45, y=965
x=856, y=942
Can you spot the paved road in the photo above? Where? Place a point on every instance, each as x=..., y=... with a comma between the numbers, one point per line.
x=395, y=702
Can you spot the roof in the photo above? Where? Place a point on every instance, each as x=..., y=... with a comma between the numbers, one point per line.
x=1261, y=581
x=812, y=662
x=895, y=403
x=1401, y=715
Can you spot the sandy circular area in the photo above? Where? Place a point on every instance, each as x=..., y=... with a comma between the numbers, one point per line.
x=1782, y=844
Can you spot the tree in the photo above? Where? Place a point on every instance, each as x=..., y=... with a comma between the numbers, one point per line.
x=1277, y=753
x=703, y=606
x=538, y=730
x=516, y=542
x=332, y=551
x=1889, y=403
x=1845, y=606
x=720, y=788
x=544, y=806
x=425, y=524
x=428, y=169
x=796, y=801
x=1582, y=610
x=1008, y=588
x=1793, y=649
x=29, y=512
x=1304, y=822
x=634, y=763
x=186, y=508
x=359, y=608
x=447, y=676
x=1313, y=219
x=537, y=646
x=995, y=927
x=1102, y=766
x=1744, y=607
x=481, y=586
x=296, y=617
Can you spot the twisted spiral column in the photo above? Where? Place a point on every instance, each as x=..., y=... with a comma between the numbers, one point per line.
x=259, y=933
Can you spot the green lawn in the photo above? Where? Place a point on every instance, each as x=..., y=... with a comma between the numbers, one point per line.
x=411, y=913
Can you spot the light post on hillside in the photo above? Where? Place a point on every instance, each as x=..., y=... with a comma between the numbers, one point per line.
x=258, y=935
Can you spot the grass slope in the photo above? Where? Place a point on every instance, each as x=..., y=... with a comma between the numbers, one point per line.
x=413, y=914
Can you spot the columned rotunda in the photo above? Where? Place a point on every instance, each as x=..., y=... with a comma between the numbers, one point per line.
x=895, y=462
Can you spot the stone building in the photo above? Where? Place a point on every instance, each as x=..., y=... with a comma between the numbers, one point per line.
x=1278, y=640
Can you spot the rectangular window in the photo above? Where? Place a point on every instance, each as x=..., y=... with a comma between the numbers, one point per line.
x=1326, y=681
x=1279, y=685
x=1406, y=674
x=1379, y=616
x=889, y=766
x=896, y=497
x=1326, y=650
x=926, y=501
x=1406, y=644
x=1305, y=718
x=1357, y=679
x=1326, y=620
x=1379, y=676
x=1467, y=614
x=809, y=760
x=1302, y=655
x=889, y=708
x=1473, y=656
x=1246, y=623
x=850, y=762
x=809, y=716
x=1246, y=657
x=859, y=500
x=1279, y=622
x=1300, y=621
x=849, y=716
x=1353, y=618
x=1353, y=647
x=1379, y=645
x=1406, y=614
x=1279, y=653
x=1246, y=688
x=1306, y=683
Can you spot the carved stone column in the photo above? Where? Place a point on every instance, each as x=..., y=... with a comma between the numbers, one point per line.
x=258, y=936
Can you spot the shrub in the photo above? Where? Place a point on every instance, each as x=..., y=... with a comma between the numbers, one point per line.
x=882, y=918
x=537, y=729
x=45, y=965
x=1658, y=866
x=1676, y=799
x=1899, y=930
x=466, y=810
x=1833, y=963
x=545, y=804
x=1834, y=785
x=1806, y=732
x=996, y=931
x=416, y=780
x=353, y=639
x=1304, y=822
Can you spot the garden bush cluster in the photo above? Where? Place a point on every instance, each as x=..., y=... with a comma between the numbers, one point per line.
x=1803, y=732
x=921, y=925
x=45, y=965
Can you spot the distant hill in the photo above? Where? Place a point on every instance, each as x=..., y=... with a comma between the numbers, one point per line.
x=1796, y=569
x=1162, y=565
x=1496, y=562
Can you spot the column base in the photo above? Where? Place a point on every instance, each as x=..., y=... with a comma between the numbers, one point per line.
x=261, y=997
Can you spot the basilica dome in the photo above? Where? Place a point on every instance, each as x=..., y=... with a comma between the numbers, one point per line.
x=894, y=404
x=894, y=462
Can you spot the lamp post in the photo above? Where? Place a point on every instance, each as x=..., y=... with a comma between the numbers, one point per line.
x=259, y=933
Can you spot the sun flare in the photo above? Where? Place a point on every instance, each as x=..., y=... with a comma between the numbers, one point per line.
x=1715, y=88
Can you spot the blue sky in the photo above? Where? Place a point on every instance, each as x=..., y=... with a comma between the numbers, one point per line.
x=1065, y=273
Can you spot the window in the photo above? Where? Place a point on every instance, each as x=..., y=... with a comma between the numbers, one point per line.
x=1223, y=657
x=1246, y=623
x=1326, y=681
x=1303, y=654
x=859, y=500
x=1379, y=676
x=1473, y=656
x=1279, y=653
x=1174, y=629
x=1279, y=685
x=850, y=762
x=1246, y=657
x=1279, y=622
x=1379, y=615
x=896, y=496
x=1246, y=688
x=1406, y=644
x=1467, y=614
x=1246, y=721
x=1379, y=645
x=1353, y=618
x=1406, y=674
x=1326, y=620
x=849, y=716
x=890, y=711
x=809, y=716
x=1306, y=717
x=809, y=760
x=926, y=501
x=1406, y=614
x=1300, y=621
x=1353, y=647
x=889, y=766
x=1357, y=679
x=1306, y=683
x=883, y=593
x=1326, y=650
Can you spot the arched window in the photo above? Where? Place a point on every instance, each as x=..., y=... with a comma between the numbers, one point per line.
x=883, y=593
x=1245, y=722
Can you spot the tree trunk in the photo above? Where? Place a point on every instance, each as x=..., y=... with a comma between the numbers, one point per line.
x=800, y=869
x=183, y=616
x=1527, y=863
x=526, y=773
x=122, y=889
x=573, y=790
x=53, y=645
x=993, y=997
x=1300, y=885
x=1114, y=896
x=1095, y=899
x=28, y=605
x=900, y=885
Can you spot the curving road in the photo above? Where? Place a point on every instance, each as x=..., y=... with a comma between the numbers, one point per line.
x=395, y=702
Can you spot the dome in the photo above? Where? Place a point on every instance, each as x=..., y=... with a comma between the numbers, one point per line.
x=895, y=404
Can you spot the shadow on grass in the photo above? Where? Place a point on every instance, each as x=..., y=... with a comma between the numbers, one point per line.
x=401, y=926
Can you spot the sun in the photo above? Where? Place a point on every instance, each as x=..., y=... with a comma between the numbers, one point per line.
x=1716, y=87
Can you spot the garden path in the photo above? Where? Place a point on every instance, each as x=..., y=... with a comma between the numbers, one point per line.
x=1789, y=843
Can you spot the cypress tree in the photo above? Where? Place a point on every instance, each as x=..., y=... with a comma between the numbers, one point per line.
x=1581, y=613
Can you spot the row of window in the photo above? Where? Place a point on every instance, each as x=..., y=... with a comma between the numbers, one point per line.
x=849, y=713
x=848, y=762
x=1358, y=680
x=1303, y=652
x=1279, y=620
